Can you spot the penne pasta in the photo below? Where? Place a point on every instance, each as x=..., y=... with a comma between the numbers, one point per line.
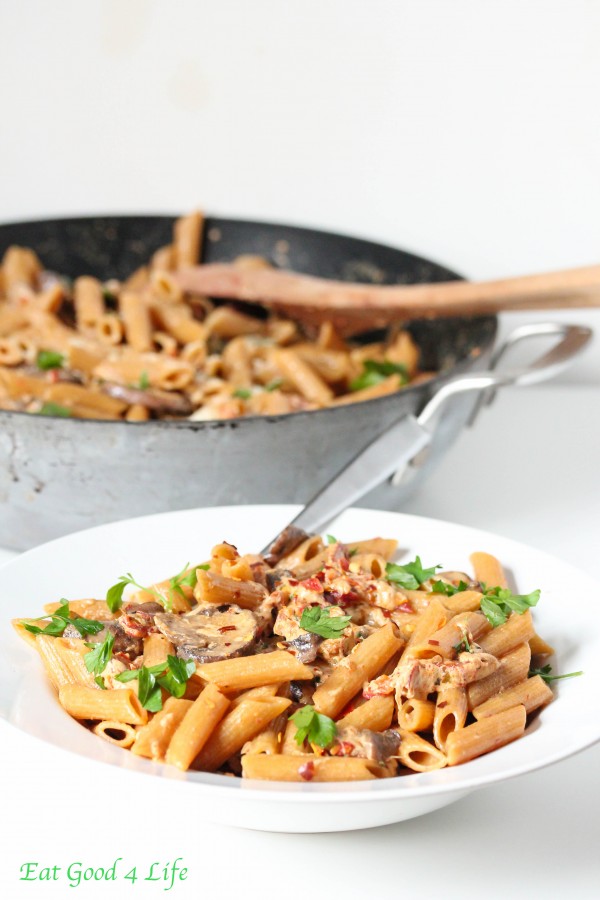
x=90, y=703
x=488, y=734
x=196, y=727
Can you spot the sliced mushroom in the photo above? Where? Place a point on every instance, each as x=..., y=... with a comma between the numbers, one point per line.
x=290, y=538
x=155, y=400
x=305, y=646
x=210, y=634
x=363, y=742
x=275, y=577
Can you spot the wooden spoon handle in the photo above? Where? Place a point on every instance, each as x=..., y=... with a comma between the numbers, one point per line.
x=281, y=288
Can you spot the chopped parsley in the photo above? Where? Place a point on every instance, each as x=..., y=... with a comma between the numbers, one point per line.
x=331, y=539
x=319, y=729
x=48, y=359
x=114, y=595
x=464, y=645
x=449, y=590
x=274, y=385
x=242, y=393
x=172, y=675
x=320, y=621
x=497, y=604
x=99, y=656
x=411, y=575
x=189, y=579
x=144, y=382
x=544, y=673
x=60, y=619
x=375, y=372
x=54, y=409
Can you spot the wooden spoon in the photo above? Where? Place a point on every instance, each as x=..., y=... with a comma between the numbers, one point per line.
x=368, y=305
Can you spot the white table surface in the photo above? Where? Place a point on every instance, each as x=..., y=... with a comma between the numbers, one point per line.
x=529, y=471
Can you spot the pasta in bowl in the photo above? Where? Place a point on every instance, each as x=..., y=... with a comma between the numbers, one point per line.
x=394, y=700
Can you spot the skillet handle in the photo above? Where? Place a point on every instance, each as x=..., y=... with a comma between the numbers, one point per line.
x=574, y=338
x=395, y=449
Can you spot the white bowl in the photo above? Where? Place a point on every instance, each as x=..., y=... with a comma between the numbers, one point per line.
x=153, y=547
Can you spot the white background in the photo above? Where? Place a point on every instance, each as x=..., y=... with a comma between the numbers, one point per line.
x=468, y=131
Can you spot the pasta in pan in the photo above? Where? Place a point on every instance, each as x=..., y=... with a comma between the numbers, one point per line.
x=144, y=349
x=247, y=666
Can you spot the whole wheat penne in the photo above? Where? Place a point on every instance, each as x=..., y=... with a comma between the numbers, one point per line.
x=156, y=650
x=63, y=661
x=177, y=320
x=310, y=549
x=136, y=320
x=513, y=668
x=488, y=570
x=257, y=693
x=119, y=733
x=187, y=239
x=450, y=713
x=433, y=617
x=517, y=629
x=308, y=768
x=89, y=302
x=214, y=588
x=444, y=641
x=531, y=693
x=153, y=739
x=540, y=647
x=463, y=601
x=225, y=322
x=302, y=376
x=239, y=726
x=270, y=740
x=254, y=671
x=418, y=754
x=486, y=735
x=196, y=727
x=90, y=703
x=416, y=715
x=364, y=663
x=376, y=714
x=385, y=547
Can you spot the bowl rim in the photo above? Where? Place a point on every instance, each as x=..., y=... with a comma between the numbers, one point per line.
x=399, y=787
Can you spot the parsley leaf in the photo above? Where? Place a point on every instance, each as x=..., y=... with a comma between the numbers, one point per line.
x=48, y=359
x=319, y=729
x=97, y=660
x=60, y=619
x=320, y=621
x=100, y=682
x=54, y=409
x=464, y=645
x=411, y=575
x=178, y=673
x=183, y=578
x=544, y=673
x=449, y=590
x=172, y=675
x=149, y=692
x=497, y=604
x=375, y=372
x=242, y=393
x=114, y=595
x=274, y=385
x=144, y=382
x=331, y=539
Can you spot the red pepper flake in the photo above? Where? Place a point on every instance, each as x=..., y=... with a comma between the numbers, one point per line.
x=321, y=576
x=442, y=704
x=227, y=628
x=405, y=607
x=435, y=643
x=344, y=564
x=345, y=748
x=293, y=582
x=312, y=584
x=386, y=613
x=307, y=770
x=348, y=598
